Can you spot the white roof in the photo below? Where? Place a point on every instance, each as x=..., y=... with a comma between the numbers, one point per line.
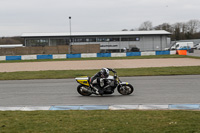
x=152, y=32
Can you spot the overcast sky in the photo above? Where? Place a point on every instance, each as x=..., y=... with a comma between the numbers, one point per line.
x=19, y=16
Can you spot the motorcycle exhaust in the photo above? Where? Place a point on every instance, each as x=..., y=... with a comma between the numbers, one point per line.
x=86, y=90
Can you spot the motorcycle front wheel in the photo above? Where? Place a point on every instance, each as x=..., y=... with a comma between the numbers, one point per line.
x=125, y=89
x=82, y=90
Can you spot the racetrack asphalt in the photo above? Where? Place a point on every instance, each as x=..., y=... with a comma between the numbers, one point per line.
x=148, y=90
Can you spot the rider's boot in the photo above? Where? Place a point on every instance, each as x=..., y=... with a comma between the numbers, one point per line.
x=98, y=91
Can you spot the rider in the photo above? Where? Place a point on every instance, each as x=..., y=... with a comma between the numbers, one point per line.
x=97, y=79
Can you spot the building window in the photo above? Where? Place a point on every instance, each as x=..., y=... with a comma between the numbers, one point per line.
x=114, y=39
x=55, y=42
x=79, y=40
x=91, y=39
x=130, y=39
x=37, y=42
x=102, y=39
x=83, y=39
x=109, y=39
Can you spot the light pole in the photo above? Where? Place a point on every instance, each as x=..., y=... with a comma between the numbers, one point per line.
x=69, y=34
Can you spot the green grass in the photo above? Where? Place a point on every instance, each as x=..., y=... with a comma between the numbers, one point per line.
x=62, y=74
x=104, y=58
x=129, y=121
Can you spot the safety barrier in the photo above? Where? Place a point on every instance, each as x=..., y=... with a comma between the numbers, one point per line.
x=182, y=52
x=107, y=107
x=85, y=55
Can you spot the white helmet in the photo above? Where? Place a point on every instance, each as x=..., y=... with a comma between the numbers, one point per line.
x=105, y=72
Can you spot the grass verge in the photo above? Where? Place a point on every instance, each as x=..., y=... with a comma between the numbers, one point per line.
x=62, y=74
x=128, y=121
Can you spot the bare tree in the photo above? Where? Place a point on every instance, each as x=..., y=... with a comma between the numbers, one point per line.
x=179, y=30
x=193, y=26
x=177, y=27
x=147, y=25
x=164, y=26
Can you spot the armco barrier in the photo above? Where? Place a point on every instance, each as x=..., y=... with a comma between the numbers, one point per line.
x=13, y=57
x=118, y=54
x=133, y=54
x=29, y=57
x=73, y=55
x=89, y=55
x=2, y=58
x=148, y=53
x=162, y=52
x=44, y=57
x=103, y=54
x=59, y=56
x=85, y=55
x=172, y=52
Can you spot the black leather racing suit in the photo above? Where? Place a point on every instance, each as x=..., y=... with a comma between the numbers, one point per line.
x=96, y=80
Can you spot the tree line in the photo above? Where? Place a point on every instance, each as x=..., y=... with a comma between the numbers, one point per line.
x=179, y=30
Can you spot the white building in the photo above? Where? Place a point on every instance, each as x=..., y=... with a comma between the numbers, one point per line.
x=109, y=41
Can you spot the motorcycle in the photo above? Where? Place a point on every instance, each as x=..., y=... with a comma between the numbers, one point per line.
x=108, y=86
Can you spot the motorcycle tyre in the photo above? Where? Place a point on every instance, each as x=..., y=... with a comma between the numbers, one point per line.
x=130, y=86
x=82, y=92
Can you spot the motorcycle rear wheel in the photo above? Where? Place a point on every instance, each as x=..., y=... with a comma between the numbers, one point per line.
x=125, y=89
x=81, y=90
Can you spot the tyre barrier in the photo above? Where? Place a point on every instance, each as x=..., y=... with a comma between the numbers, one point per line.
x=84, y=55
